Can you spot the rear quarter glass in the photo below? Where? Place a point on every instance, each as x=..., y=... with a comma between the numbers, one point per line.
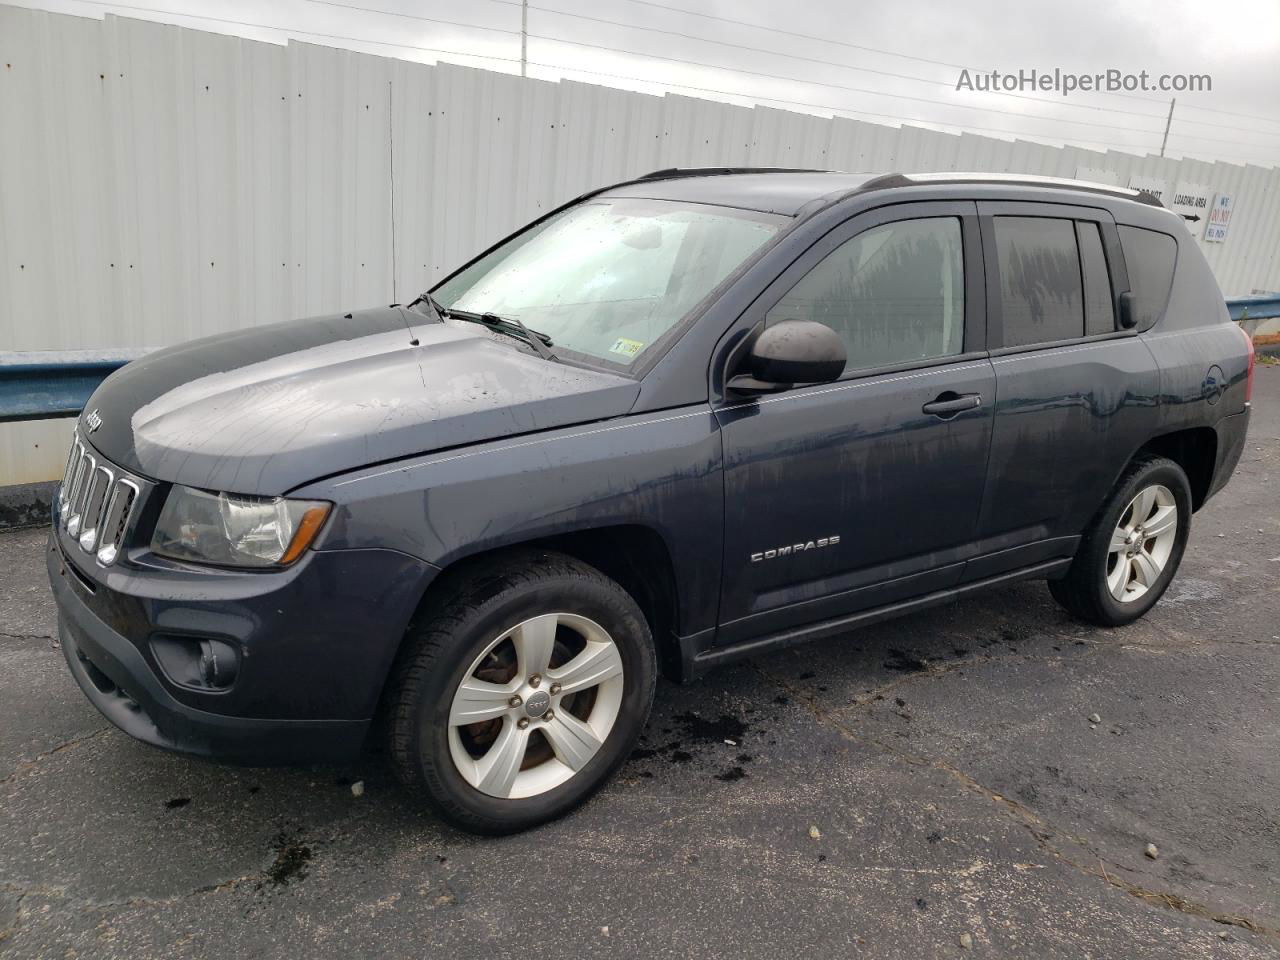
x=1150, y=258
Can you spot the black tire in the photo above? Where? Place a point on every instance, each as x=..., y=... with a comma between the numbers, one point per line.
x=441, y=646
x=1083, y=591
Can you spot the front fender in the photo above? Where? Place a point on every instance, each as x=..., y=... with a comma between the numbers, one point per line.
x=658, y=470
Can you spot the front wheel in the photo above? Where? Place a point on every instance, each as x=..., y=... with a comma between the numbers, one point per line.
x=1130, y=554
x=522, y=694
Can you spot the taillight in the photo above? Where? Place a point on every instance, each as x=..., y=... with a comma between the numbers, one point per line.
x=1248, y=382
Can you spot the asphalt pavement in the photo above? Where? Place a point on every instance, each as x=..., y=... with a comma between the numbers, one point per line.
x=929, y=787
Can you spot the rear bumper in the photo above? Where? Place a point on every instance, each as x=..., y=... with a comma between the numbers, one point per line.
x=313, y=657
x=1231, y=433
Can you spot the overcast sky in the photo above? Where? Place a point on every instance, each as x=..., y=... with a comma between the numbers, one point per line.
x=893, y=62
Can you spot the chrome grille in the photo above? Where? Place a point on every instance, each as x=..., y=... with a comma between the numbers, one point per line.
x=95, y=500
x=115, y=519
x=79, y=492
x=96, y=503
x=73, y=461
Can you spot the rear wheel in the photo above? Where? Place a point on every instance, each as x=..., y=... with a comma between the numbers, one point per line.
x=522, y=694
x=1129, y=555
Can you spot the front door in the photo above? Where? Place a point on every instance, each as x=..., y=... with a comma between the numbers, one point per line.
x=852, y=494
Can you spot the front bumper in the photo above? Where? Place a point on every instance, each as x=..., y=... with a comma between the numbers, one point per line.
x=316, y=643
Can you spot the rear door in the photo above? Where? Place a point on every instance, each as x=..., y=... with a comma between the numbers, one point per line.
x=851, y=494
x=1075, y=395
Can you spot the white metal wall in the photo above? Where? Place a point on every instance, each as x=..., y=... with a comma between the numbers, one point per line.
x=159, y=183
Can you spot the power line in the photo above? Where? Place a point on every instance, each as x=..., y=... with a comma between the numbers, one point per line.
x=392, y=13
x=836, y=108
x=907, y=56
x=670, y=33
x=1269, y=157
x=740, y=23
x=1240, y=143
x=840, y=86
x=828, y=106
x=1229, y=113
x=739, y=46
x=852, y=46
x=850, y=110
x=768, y=51
x=305, y=33
x=806, y=59
x=792, y=33
x=1223, y=126
x=411, y=16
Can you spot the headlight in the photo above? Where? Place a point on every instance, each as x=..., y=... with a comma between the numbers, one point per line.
x=236, y=531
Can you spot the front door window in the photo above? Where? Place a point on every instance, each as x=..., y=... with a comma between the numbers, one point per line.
x=894, y=293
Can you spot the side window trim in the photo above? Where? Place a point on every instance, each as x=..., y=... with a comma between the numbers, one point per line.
x=989, y=210
x=1088, y=281
x=975, y=313
x=1116, y=267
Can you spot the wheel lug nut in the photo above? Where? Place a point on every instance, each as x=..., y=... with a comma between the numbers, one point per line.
x=549, y=716
x=555, y=688
x=535, y=680
x=522, y=722
x=515, y=701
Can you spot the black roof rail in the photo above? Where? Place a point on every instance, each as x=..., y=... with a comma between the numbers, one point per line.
x=890, y=180
x=672, y=172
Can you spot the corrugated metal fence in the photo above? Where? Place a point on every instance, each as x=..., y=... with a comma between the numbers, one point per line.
x=159, y=183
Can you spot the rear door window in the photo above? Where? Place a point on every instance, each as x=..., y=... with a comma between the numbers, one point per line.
x=1149, y=257
x=1041, y=291
x=1099, y=305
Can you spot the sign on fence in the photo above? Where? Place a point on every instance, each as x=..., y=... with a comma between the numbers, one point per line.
x=1191, y=202
x=1219, y=219
x=1152, y=185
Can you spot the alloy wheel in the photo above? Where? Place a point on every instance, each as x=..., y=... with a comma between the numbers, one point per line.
x=536, y=705
x=1142, y=543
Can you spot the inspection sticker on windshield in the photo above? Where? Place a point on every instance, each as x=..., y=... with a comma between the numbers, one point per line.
x=628, y=348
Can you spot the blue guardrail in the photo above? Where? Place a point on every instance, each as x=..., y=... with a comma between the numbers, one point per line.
x=1254, y=308
x=58, y=383
x=54, y=383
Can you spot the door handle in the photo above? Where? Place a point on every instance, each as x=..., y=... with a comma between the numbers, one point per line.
x=949, y=404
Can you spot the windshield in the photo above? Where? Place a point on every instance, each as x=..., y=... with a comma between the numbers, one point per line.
x=609, y=278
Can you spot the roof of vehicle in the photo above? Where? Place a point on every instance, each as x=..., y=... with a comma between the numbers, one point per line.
x=768, y=191
x=787, y=191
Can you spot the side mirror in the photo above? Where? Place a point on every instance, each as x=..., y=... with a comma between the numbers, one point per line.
x=1128, y=313
x=791, y=352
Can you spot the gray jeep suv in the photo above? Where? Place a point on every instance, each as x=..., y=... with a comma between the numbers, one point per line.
x=680, y=420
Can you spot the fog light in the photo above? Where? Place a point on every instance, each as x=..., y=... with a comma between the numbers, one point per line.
x=197, y=663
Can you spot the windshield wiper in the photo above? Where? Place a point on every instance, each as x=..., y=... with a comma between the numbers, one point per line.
x=511, y=326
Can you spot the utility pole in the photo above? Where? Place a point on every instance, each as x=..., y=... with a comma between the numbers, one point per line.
x=524, y=43
x=391, y=179
x=1167, y=123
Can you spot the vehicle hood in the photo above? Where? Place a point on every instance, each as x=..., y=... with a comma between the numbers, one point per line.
x=264, y=410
